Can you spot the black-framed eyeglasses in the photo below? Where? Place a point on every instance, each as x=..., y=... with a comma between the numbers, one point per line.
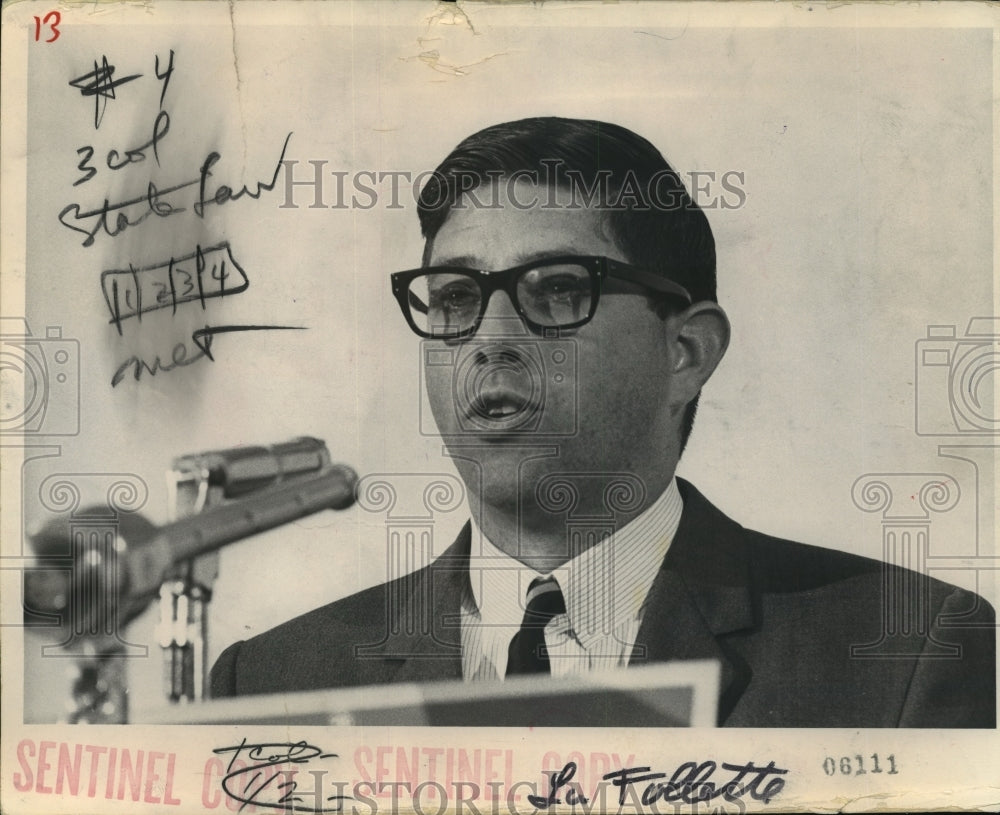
x=448, y=302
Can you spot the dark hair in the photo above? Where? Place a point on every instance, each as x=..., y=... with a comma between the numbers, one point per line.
x=650, y=215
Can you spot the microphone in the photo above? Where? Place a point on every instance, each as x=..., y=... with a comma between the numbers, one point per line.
x=237, y=471
x=111, y=581
x=333, y=488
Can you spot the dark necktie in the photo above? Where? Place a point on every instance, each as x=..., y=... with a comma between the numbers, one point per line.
x=527, y=654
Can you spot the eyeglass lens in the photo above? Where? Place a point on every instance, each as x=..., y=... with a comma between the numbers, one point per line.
x=551, y=296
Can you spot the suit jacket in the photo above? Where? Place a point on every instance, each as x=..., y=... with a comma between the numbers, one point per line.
x=806, y=637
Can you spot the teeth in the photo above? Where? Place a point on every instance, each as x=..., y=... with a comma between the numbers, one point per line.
x=499, y=407
x=499, y=412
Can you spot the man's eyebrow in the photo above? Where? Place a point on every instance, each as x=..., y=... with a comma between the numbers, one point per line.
x=472, y=262
x=465, y=261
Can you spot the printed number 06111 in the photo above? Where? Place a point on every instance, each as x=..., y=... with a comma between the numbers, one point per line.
x=856, y=766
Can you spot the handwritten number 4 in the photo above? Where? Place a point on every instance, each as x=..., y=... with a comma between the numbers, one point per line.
x=52, y=20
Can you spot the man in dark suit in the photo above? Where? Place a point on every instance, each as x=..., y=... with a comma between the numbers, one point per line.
x=567, y=307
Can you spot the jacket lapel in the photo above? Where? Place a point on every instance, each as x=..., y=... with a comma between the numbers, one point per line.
x=425, y=639
x=700, y=595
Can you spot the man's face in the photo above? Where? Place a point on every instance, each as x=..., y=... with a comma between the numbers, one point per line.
x=501, y=399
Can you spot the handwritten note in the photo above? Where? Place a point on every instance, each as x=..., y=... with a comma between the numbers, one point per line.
x=191, y=275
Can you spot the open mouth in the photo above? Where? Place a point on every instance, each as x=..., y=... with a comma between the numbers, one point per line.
x=499, y=406
x=500, y=389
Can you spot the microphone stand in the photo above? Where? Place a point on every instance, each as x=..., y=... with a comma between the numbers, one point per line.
x=112, y=582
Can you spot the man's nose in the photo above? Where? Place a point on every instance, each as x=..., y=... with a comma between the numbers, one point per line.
x=500, y=317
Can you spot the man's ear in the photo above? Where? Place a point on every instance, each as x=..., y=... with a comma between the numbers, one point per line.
x=699, y=336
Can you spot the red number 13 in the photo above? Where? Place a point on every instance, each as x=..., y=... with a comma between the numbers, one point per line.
x=52, y=20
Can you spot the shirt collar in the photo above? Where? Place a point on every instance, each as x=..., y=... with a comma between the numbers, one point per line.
x=604, y=586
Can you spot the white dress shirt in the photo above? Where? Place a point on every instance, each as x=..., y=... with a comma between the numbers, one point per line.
x=605, y=589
